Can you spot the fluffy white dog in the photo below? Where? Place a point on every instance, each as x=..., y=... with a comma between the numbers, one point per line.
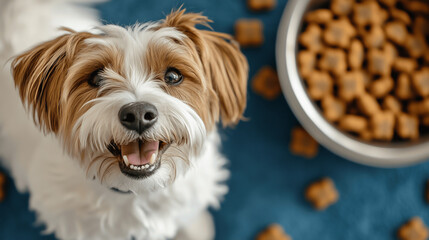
x=127, y=146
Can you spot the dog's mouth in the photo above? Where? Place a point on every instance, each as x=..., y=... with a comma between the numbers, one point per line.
x=139, y=159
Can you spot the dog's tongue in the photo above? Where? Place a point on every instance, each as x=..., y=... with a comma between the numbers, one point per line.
x=140, y=153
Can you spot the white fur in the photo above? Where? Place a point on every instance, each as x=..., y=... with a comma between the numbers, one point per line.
x=63, y=192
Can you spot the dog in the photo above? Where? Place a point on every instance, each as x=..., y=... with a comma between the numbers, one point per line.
x=113, y=130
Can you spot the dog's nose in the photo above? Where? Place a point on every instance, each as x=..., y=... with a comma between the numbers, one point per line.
x=138, y=116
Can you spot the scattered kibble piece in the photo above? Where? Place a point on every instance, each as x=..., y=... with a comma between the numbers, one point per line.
x=414, y=229
x=273, y=232
x=266, y=83
x=261, y=5
x=249, y=32
x=322, y=193
x=303, y=144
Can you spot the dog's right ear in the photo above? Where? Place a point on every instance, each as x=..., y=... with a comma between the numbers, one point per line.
x=39, y=76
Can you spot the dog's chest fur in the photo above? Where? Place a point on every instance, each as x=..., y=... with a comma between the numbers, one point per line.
x=72, y=206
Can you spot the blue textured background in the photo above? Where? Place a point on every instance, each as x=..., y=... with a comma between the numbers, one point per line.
x=267, y=181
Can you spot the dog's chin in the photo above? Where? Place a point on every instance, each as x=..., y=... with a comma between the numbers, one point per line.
x=139, y=159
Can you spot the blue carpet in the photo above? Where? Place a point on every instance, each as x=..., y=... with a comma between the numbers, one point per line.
x=267, y=181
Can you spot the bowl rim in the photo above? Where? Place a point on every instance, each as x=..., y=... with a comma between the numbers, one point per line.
x=309, y=115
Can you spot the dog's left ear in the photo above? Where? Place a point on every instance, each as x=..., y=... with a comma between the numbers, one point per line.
x=225, y=66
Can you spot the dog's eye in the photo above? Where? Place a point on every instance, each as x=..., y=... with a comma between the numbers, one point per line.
x=173, y=76
x=95, y=79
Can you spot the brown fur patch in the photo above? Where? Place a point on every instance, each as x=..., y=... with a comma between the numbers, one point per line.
x=224, y=67
x=40, y=73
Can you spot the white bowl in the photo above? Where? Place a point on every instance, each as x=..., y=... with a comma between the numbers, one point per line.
x=395, y=154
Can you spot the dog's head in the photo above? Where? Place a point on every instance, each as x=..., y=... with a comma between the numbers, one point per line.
x=136, y=104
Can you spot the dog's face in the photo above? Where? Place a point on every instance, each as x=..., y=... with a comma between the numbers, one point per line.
x=135, y=105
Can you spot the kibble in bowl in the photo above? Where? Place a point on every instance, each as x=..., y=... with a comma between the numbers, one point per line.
x=356, y=75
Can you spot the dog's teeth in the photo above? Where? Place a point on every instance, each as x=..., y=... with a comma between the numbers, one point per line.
x=152, y=167
x=126, y=160
x=153, y=158
x=146, y=166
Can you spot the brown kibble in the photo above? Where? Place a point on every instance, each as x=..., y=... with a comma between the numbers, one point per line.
x=319, y=16
x=266, y=83
x=419, y=108
x=365, y=76
x=352, y=123
x=406, y=65
x=261, y=5
x=414, y=229
x=320, y=84
x=397, y=32
x=350, y=85
x=333, y=60
x=342, y=7
x=374, y=38
x=426, y=56
x=368, y=12
x=407, y=126
x=392, y=104
x=425, y=122
x=333, y=108
x=366, y=135
x=312, y=38
x=322, y=193
x=356, y=54
x=382, y=125
x=273, y=232
x=249, y=32
x=381, y=87
x=400, y=15
x=415, y=45
x=2, y=186
x=303, y=144
x=378, y=63
x=421, y=81
x=417, y=7
x=390, y=52
x=368, y=104
x=306, y=62
x=403, y=87
x=339, y=32
x=420, y=26
x=388, y=3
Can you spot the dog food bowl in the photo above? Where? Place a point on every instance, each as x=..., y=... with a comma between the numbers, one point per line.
x=393, y=154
